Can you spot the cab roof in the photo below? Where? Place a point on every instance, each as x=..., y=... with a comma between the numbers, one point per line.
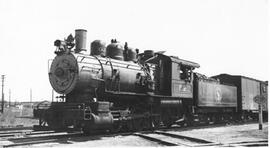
x=173, y=59
x=184, y=62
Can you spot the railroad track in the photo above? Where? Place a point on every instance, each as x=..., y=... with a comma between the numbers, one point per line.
x=15, y=129
x=169, y=139
x=184, y=128
x=11, y=132
x=21, y=136
x=258, y=143
x=23, y=133
x=28, y=132
x=38, y=138
x=162, y=136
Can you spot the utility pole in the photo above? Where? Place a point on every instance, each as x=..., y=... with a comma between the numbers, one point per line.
x=9, y=97
x=260, y=116
x=30, y=95
x=52, y=94
x=2, y=105
x=260, y=99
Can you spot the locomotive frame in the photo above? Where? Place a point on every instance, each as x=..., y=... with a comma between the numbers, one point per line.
x=124, y=90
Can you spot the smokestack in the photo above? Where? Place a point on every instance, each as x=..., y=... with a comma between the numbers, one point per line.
x=80, y=40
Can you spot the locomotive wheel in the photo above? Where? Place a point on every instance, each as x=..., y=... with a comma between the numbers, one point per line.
x=168, y=123
x=55, y=125
x=189, y=120
x=137, y=124
x=211, y=119
x=146, y=122
x=86, y=130
x=116, y=128
x=129, y=125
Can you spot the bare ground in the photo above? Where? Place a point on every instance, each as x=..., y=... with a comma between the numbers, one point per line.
x=230, y=133
x=225, y=135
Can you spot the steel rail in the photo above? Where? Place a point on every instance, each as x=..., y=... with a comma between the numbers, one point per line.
x=183, y=137
x=248, y=143
x=162, y=142
x=14, y=132
x=16, y=128
x=183, y=140
x=40, y=139
x=31, y=143
x=45, y=137
x=25, y=133
x=195, y=141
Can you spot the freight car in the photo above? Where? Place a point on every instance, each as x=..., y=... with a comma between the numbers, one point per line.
x=248, y=88
x=117, y=88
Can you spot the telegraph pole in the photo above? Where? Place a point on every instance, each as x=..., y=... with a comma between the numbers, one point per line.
x=30, y=95
x=260, y=116
x=9, y=97
x=2, y=105
x=52, y=95
x=260, y=99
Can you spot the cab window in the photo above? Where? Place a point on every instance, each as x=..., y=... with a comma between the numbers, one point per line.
x=185, y=73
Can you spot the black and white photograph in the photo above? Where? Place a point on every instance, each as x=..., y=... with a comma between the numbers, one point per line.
x=134, y=73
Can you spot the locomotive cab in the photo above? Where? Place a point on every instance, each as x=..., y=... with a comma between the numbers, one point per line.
x=174, y=76
x=182, y=77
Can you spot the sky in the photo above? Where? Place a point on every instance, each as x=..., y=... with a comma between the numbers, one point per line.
x=223, y=36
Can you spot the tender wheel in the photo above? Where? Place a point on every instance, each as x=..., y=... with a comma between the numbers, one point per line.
x=156, y=123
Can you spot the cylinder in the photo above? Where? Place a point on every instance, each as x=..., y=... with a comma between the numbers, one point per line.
x=102, y=121
x=98, y=47
x=80, y=40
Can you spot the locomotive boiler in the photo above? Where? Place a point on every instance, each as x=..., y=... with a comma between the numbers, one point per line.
x=117, y=88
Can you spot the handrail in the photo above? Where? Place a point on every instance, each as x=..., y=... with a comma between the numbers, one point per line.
x=83, y=67
x=103, y=59
x=102, y=69
x=110, y=65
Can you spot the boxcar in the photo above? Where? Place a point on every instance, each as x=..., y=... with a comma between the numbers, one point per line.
x=248, y=88
x=264, y=92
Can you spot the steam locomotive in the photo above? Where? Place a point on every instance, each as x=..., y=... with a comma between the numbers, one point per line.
x=116, y=88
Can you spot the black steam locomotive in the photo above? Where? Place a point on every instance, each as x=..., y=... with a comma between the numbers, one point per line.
x=117, y=88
